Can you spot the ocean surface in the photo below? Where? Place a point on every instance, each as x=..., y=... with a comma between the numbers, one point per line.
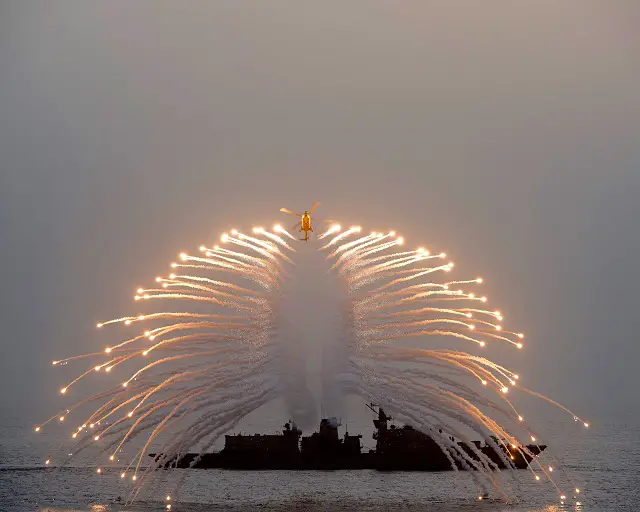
x=603, y=461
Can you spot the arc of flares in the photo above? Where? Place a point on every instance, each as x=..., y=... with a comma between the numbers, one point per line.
x=384, y=292
x=217, y=366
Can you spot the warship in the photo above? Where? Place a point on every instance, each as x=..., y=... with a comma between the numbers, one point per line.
x=397, y=449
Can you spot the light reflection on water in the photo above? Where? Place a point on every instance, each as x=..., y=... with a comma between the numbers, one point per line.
x=310, y=506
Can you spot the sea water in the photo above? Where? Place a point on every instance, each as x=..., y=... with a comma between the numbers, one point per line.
x=604, y=461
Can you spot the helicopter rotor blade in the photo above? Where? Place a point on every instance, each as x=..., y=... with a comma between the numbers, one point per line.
x=322, y=220
x=286, y=210
x=296, y=225
x=315, y=205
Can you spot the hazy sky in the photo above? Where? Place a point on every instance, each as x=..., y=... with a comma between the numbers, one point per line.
x=505, y=133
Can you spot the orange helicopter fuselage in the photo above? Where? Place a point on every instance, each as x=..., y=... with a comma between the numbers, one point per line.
x=306, y=222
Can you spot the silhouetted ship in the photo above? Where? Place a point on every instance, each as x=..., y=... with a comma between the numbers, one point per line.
x=397, y=449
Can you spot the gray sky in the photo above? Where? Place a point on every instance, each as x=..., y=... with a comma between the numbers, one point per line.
x=504, y=133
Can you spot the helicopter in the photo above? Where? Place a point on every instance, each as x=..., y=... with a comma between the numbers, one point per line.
x=305, y=222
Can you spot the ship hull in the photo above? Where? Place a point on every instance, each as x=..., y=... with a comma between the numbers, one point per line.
x=417, y=461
